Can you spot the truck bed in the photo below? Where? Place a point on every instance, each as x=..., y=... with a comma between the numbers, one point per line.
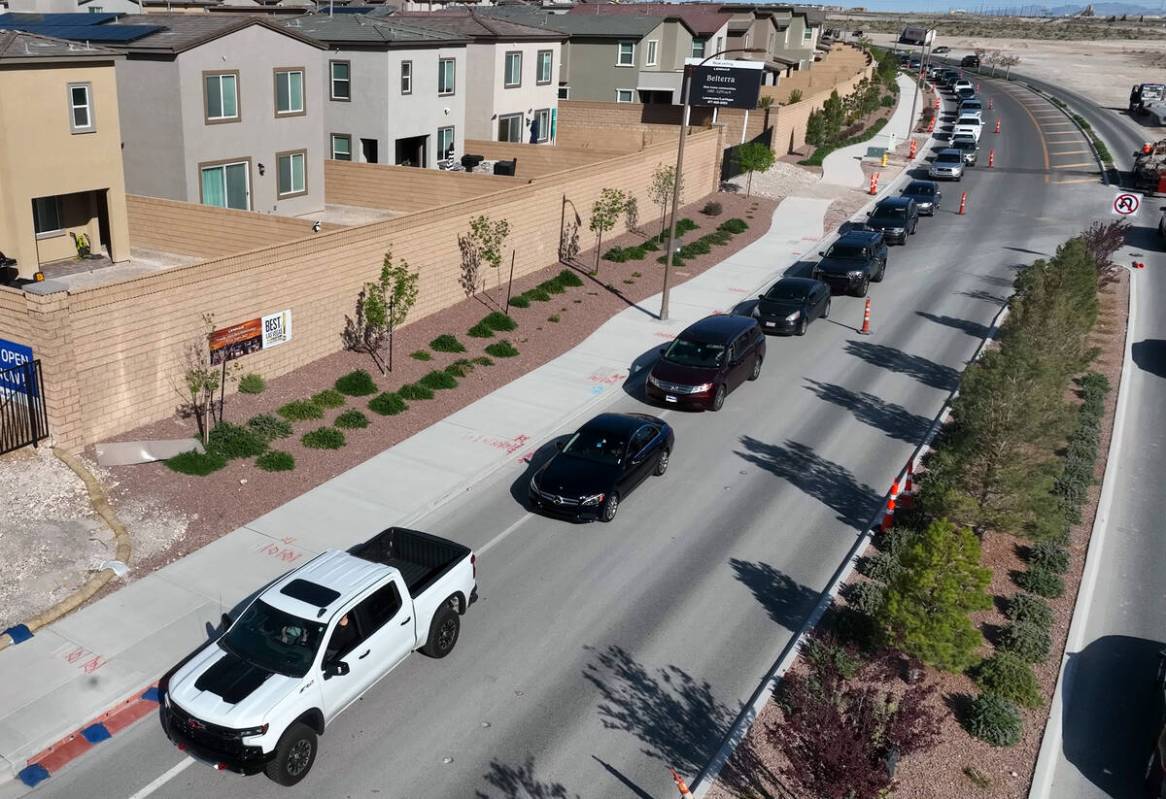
x=419, y=557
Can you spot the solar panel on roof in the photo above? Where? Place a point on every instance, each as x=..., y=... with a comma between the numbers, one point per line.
x=87, y=33
x=58, y=19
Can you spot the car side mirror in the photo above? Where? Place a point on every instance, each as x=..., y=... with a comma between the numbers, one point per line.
x=225, y=621
x=822, y=253
x=337, y=668
x=560, y=444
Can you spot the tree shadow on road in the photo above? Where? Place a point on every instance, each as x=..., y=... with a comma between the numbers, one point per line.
x=787, y=601
x=925, y=371
x=894, y=420
x=832, y=485
x=973, y=329
x=985, y=296
x=677, y=717
x=519, y=782
x=1150, y=356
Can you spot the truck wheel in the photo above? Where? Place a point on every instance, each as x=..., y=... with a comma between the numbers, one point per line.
x=443, y=633
x=294, y=755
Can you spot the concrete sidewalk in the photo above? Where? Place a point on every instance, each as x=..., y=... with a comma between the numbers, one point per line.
x=71, y=672
x=844, y=167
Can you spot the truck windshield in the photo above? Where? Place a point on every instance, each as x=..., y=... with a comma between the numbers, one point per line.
x=845, y=251
x=274, y=640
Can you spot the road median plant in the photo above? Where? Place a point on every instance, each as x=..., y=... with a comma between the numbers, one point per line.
x=323, y=438
x=357, y=383
x=388, y=404
x=276, y=461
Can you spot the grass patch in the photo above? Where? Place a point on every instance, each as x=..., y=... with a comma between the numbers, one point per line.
x=351, y=420
x=569, y=279
x=236, y=441
x=323, y=438
x=251, y=383
x=519, y=302
x=421, y=355
x=269, y=427
x=447, y=343
x=461, y=367
x=415, y=391
x=276, y=461
x=502, y=349
x=300, y=411
x=483, y=330
x=438, y=381
x=357, y=383
x=387, y=404
x=328, y=398
x=734, y=226
x=198, y=464
x=482, y=360
x=555, y=317
x=537, y=294
x=500, y=322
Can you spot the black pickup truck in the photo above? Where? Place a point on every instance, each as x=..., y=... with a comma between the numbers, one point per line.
x=855, y=260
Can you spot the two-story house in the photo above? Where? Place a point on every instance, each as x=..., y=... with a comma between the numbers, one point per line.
x=393, y=92
x=223, y=110
x=708, y=24
x=60, y=152
x=512, y=73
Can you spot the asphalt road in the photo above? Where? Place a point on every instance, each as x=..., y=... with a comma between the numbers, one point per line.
x=600, y=655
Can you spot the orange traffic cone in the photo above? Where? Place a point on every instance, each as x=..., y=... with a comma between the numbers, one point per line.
x=681, y=787
x=989, y=103
x=931, y=126
x=914, y=148
x=991, y=158
x=997, y=125
x=874, y=183
x=963, y=203
x=889, y=515
x=866, y=319
x=908, y=498
x=936, y=103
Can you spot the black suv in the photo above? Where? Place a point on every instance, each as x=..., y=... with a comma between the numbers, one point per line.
x=970, y=62
x=894, y=217
x=855, y=260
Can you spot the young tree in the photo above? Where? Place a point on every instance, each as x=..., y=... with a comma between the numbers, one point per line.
x=926, y=605
x=1008, y=62
x=489, y=238
x=1102, y=240
x=631, y=212
x=471, y=276
x=754, y=157
x=200, y=380
x=834, y=114
x=766, y=105
x=604, y=213
x=660, y=192
x=381, y=307
x=816, y=133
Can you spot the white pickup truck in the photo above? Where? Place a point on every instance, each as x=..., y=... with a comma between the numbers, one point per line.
x=310, y=644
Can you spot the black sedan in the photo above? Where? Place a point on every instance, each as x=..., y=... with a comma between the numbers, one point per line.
x=926, y=195
x=791, y=304
x=601, y=464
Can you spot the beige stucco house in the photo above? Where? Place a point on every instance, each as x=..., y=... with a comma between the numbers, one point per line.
x=60, y=152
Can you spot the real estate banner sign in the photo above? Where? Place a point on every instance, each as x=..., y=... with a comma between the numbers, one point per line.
x=724, y=83
x=229, y=343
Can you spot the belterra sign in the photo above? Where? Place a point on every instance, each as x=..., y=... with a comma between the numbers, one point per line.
x=724, y=83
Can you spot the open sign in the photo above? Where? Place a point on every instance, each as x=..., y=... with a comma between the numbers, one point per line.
x=13, y=355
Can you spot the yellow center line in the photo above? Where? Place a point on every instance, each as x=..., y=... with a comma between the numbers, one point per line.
x=1070, y=152
x=1063, y=133
x=1077, y=180
x=1070, y=166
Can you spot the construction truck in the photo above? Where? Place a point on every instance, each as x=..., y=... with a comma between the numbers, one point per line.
x=1143, y=95
x=1149, y=170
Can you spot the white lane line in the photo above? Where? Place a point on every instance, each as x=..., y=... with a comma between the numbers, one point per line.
x=181, y=766
x=495, y=540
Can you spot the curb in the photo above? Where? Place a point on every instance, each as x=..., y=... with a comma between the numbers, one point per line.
x=1042, y=778
x=20, y=633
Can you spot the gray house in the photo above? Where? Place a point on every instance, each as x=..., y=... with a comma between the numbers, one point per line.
x=223, y=110
x=393, y=92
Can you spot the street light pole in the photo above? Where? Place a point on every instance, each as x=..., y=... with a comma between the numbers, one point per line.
x=676, y=177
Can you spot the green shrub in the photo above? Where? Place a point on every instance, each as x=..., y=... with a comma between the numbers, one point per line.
x=351, y=420
x=637, y=253
x=1029, y=642
x=482, y=360
x=1049, y=555
x=881, y=566
x=711, y=208
x=1041, y=581
x=1095, y=382
x=1009, y=677
x=358, y=383
x=421, y=355
x=551, y=286
x=994, y=719
x=323, y=438
x=519, y=302
x=555, y=317
x=1030, y=610
x=482, y=330
x=251, y=383
x=198, y=464
x=685, y=225
x=446, y=343
x=866, y=596
x=717, y=237
x=387, y=404
x=438, y=380
x=236, y=441
x=537, y=294
x=269, y=427
x=414, y=391
x=502, y=349
x=300, y=410
x=887, y=101
x=734, y=225
x=276, y=461
x=651, y=245
x=615, y=255
x=500, y=322
x=328, y=398
x=828, y=655
x=695, y=248
x=461, y=367
x=569, y=279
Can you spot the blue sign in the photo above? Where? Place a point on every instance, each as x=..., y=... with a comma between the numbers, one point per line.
x=11, y=356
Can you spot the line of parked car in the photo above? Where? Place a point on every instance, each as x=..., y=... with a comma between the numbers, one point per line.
x=964, y=145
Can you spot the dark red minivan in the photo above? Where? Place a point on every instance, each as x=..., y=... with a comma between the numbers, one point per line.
x=706, y=361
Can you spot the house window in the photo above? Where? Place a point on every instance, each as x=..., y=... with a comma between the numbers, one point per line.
x=807, y=34
x=341, y=81
x=80, y=108
x=341, y=147
x=510, y=127
x=513, y=76
x=546, y=61
x=96, y=10
x=289, y=92
x=444, y=143
x=626, y=56
x=222, y=96
x=564, y=92
x=290, y=181
x=542, y=119
x=226, y=185
x=720, y=44
x=698, y=48
x=406, y=77
x=650, y=60
x=46, y=216
x=623, y=95
x=445, y=76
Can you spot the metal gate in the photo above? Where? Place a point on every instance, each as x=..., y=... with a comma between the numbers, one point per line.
x=23, y=419
x=730, y=168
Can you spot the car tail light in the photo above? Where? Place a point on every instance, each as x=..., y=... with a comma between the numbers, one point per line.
x=474, y=564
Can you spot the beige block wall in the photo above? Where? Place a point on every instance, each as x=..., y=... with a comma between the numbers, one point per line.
x=121, y=346
x=536, y=160
x=402, y=188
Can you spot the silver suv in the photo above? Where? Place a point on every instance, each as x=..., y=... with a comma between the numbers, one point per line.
x=948, y=165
